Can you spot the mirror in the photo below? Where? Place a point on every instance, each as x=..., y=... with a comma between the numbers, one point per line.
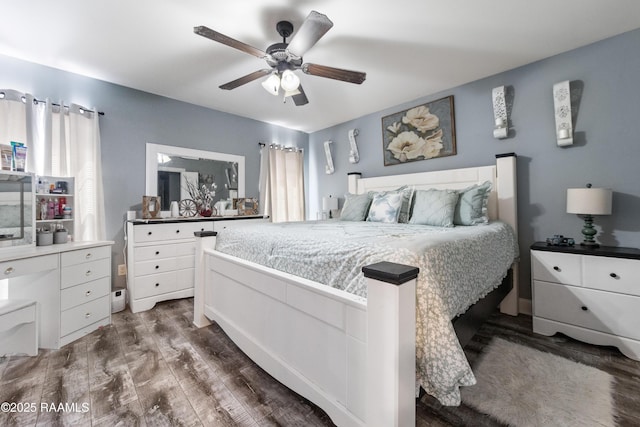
x=169, y=168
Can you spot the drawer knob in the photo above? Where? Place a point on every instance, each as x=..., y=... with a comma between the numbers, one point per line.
x=177, y=231
x=157, y=252
x=157, y=284
x=149, y=233
x=88, y=273
x=87, y=293
x=8, y=271
x=89, y=255
x=613, y=275
x=556, y=268
x=584, y=308
x=157, y=267
x=87, y=315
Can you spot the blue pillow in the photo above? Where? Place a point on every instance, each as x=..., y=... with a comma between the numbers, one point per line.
x=385, y=207
x=355, y=207
x=434, y=207
x=407, y=195
x=472, y=205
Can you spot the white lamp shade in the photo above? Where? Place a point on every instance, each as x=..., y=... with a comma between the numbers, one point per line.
x=329, y=203
x=272, y=84
x=290, y=81
x=589, y=201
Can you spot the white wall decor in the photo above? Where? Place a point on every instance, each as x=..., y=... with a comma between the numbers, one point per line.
x=354, y=157
x=329, y=169
x=562, y=107
x=500, y=116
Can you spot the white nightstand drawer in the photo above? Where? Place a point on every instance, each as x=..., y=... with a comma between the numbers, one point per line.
x=612, y=274
x=85, y=292
x=145, y=253
x=84, y=315
x=87, y=271
x=169, y=231
x=84, y=255
x=607, y=312
x=556, y=267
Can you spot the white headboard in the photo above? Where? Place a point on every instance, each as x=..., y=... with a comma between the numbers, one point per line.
x=502, y=203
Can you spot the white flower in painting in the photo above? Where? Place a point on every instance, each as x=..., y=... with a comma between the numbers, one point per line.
x=406, y=146
x=421, y=119
x=394, y=128
x=433, y=145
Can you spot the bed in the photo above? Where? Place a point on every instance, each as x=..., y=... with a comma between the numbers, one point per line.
x=358, y=347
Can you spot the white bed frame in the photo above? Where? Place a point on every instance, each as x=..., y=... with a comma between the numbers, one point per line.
x=352, y=357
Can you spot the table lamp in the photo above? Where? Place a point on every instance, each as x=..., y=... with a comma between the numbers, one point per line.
x=589, y=202
x=329, y=204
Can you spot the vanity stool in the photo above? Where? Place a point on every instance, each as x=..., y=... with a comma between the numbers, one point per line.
x=18, y=327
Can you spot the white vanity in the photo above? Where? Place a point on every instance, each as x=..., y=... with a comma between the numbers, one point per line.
x=70, y=283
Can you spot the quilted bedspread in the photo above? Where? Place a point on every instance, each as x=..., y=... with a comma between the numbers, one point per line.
x=458, y=266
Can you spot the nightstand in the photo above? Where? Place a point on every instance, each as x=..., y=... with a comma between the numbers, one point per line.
x=592, y=295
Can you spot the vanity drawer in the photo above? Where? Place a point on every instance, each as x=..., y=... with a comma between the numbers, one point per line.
x=83, y=315
x=80, y=294
x=81, y=273
x=612, y=274
x=145, y=253
x=556, y=267
x=607, y=312
x=171, y=231
x=84, y=255
x=19, y=267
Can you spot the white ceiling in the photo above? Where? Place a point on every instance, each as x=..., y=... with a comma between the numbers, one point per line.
x=408, y=48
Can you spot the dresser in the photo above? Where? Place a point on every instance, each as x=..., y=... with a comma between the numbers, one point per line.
x=70, y=283
x=161, y=257
x=592, y=295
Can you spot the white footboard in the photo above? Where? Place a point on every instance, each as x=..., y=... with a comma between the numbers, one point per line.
x=353, y=358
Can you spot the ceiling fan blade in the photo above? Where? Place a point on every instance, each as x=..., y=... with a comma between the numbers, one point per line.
x=334, y=73
x=312, y=29
x=221, y=38
x=245, y=79
x=300, y=98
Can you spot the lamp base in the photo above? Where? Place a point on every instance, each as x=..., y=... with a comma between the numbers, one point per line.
x=588, y=233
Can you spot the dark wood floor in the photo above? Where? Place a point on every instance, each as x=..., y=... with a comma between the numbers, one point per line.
x=156, y=368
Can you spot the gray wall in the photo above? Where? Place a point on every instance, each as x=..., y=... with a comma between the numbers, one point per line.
x=606, y=152
x=133, y=118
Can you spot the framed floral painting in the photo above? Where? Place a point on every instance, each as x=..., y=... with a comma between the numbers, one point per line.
x=419, y=133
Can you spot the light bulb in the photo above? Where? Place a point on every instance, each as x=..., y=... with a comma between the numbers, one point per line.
x=290, y=81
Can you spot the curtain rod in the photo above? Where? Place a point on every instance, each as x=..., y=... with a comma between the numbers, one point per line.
x=281, y=147
x=100, y=113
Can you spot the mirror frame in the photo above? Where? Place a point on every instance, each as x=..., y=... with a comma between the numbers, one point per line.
x=151, y=171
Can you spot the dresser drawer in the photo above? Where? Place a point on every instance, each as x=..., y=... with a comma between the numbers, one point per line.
x=83, y=315
x=85, y=292
x=556, y=267
x=84, y=255
x=185, y=279
x=155, y=284
x=612, y=274
x=607, y=312
x=170, y=231
x=81, y=273
x=19, y=267
x=144, y=253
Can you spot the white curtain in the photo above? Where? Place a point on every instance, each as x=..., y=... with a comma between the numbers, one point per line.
x=282, y=183
x=61, y=142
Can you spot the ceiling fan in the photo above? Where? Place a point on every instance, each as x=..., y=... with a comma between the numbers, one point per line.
x=285, y=58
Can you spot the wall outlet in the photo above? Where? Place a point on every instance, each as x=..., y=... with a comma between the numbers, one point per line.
x=122, y=270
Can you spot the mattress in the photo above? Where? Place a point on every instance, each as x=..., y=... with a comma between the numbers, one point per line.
x=458, y=266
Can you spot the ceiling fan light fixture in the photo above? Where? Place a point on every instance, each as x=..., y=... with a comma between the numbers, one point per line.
x=272, y=84
x=291, y=92
x=290, y=81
